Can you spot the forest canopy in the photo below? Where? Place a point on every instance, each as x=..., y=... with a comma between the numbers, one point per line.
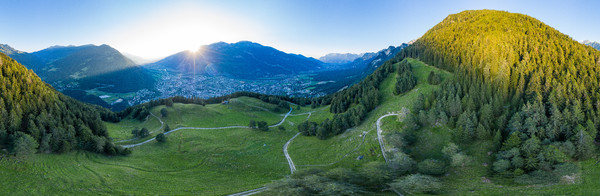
x=533, y=89
x=31, y=110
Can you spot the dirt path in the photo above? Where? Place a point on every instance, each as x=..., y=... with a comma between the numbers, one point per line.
x=250, y=192
x=201, y=128
x=245, y=193
x=293, y=167
x=382, y=146
x=380, y=137
x=287, y=156
x=282, y=120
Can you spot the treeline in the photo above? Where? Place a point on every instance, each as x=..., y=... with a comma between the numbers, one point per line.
x=350, y=105
x=532, y=90
x=37, y=118
x=141, y=111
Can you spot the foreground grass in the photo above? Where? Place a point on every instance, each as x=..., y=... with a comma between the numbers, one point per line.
x=210, y=162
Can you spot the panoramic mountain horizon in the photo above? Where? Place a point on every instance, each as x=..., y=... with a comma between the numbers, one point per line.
x=492, y=98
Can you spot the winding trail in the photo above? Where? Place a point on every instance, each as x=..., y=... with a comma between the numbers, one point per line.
x=293, y=167
x=282, y=120
x=245, y=193
x=203, y=128
x=382, y=146
x=380, y=137
x=285, y=152
x=287, y=156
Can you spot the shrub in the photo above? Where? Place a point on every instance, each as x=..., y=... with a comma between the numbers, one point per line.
x=262, y=125
x=126, y=151
x=501, y=165
x=25, y=145
x=417, y=183
x=252, y=124
x=374, y=174
x=459, y=160
x=342, y=175
x=161, y=138
x=144, y=132
x=402, y=163
x=432, y=167
x=164, y=112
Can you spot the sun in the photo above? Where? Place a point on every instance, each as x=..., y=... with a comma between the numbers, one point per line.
x=181, y=29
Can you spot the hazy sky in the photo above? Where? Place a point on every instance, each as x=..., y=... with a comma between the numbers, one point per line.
x=154, y=29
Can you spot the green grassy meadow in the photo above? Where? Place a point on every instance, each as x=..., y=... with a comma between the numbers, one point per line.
x=191, y=162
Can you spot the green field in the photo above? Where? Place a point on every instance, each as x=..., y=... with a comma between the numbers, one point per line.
x=196, y=162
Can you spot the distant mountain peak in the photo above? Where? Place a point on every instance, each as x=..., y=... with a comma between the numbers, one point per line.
x=339, y=58
x=593, y=44
x=8, y=50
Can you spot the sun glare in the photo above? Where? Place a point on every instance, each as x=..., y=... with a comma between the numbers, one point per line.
x=174, y=31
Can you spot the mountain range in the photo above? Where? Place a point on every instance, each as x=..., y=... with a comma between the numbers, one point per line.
x=595, y=45
x=102, y=75
x=339, y=58
x=78, y=70
x=245, y=60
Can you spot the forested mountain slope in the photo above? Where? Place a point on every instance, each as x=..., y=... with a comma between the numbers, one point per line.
x=532, y=89
x=35, y=117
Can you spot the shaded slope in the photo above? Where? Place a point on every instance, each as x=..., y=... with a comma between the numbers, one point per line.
x=81, y=62
x=58, y=123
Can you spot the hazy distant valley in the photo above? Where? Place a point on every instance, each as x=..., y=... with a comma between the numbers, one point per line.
x=103, y=76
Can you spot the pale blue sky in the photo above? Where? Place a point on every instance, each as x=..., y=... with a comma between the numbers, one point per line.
x=155, y=29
